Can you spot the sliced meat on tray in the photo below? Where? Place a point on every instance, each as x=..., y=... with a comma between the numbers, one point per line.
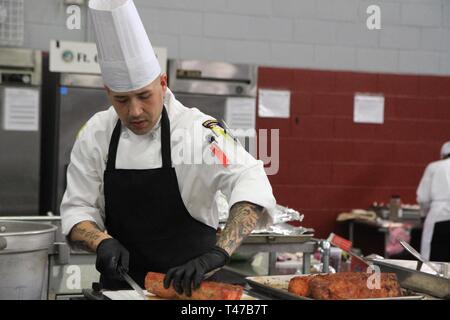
x=346, y=285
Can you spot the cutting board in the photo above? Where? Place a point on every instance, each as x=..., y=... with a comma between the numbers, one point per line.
x=133, y=295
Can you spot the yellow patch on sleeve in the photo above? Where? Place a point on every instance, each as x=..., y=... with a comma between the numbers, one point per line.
x=217, y=129
x=81, y=129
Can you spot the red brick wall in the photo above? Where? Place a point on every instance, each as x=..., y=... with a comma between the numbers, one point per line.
x=328, y=164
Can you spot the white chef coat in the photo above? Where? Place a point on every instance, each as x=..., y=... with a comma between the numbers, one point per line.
x=244, y=179
x=433, y=195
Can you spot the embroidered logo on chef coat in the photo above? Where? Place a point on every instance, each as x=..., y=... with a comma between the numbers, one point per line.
x=210, y=124
x=218, y=129
x=222, y=142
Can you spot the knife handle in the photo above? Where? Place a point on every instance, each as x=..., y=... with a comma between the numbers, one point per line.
x=121, y=270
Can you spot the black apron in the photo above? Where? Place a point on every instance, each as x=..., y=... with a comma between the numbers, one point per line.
x=440, y=243
x=146, y=214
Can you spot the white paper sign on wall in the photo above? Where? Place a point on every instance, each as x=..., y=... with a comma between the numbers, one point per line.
x=368, y=108
x=240, y=113
x=274, y=103
x=21, y=109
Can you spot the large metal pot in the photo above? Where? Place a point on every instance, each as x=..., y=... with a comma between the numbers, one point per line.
x=24, y=250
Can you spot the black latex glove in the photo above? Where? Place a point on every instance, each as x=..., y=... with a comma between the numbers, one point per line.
x=110, y=255
x=191, y=274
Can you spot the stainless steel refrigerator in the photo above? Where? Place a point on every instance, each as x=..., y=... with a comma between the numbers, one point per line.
x=70, y=100
x=20, y=130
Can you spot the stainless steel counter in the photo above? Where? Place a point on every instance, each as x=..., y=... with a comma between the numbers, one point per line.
x=71, y=272
x=274, y=244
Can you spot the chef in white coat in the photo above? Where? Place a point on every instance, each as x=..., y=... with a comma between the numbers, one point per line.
x=433, y=195
x=144, y=173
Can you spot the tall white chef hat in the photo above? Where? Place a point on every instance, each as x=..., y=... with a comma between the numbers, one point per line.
x=445, y=150
x=126, y=56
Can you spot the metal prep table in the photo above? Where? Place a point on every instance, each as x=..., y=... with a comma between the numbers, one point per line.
x=71, y=273
x=372, y=236
x=279, y=243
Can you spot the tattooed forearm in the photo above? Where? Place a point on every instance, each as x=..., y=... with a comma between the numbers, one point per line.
x=241, y=222
x=86, y=236
x=80, y=245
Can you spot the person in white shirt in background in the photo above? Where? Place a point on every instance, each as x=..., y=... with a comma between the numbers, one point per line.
x=128, y=198
x=433, y=195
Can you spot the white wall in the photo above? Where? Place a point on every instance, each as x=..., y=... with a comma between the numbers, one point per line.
x=320, y=34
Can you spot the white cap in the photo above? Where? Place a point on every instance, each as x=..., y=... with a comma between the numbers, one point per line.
x=445, y=150
x=125, y=54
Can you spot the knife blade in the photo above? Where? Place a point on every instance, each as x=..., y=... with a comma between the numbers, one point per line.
x=419, y=257
x=132, y=283
x=210, y=274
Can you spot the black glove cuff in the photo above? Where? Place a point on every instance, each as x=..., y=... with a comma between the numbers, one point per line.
x=102, y=243
x=222, y=252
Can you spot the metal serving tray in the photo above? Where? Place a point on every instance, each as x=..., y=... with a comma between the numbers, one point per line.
x=412, y=279
x=276, y=287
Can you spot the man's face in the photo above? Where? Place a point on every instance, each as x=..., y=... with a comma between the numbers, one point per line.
x=140, y=110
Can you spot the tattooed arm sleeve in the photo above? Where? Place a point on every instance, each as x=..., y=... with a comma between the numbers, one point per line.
x=86, y=236
x=242, y=221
